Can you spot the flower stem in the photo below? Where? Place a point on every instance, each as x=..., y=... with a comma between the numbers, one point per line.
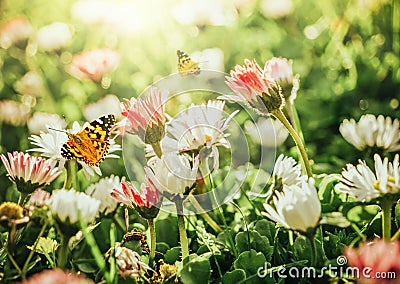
x=25, y=267
x=204, y=214
x=386, y=206
x=22, y=198
x=313, y=262
x=152, y=229
x=396, y=235
x=279, y=115
x=290, y=113
x=9, y=250
x=113, y=269
x=72, y=175
x=182, y=229
x=63, y=251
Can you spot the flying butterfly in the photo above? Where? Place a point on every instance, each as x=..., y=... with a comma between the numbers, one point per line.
x=186, y=65
x=91, y=144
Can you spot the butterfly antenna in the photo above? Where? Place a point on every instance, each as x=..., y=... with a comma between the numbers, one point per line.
x=59, y=130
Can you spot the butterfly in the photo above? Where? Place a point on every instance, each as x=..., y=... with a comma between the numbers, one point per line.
x=187, y=66
x=91, y=144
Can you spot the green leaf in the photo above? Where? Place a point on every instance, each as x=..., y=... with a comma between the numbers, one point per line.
x=234, y=276
x=202, y=249
x=335, y=246
x=266, y=228
x=251, y=262
x=162, y=247
x=45, y=246
x=301, y=249
x=325, y=187
x=86, y=265
x=257, y=242
x=172, y=255
x=196, y=271
x=362, y=213
x=167, y=231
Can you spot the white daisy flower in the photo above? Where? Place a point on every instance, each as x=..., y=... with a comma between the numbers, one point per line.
x=13, y=113
x=102, y=191
x=31, y=84
x=108, y=104
x=73, y=205
x=297, y=207
x=363, y=184
x=14, y=30
x=209, y=59
x=268, y=132
x=173, y=173
x=198, y=129
x=54, y=36
x=287, y=171
x=370, y=131
x=49, y=145
x=40, y=120
x=204, y=12
x=276, y=9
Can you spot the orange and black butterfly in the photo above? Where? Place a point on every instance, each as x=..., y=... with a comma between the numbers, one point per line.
x=186, y=65
x=91, y=144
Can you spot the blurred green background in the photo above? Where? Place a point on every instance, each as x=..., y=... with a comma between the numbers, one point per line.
x=346, y=52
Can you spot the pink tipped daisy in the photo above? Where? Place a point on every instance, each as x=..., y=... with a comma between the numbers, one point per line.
x=144, y=201
x=254, y=87
x=94, y=64
x=29, y=172
x=146, y=116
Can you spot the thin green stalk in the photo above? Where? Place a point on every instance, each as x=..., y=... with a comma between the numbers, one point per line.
x=11, y=258
x=72, y=175
x=205, y=215
x=94, y=249
x=117, y=221
x=152, y=229
x=290, y=236
x=313, y=262
x=203, y=167
x=22, y=198
x=182, y=229
x=28, y=259
x=294, y=120
x=290, y=112
x=358, y=231
x=279, y=115
x=63, y=251
x=386, y=206
x=231, y=241
x=244, y=193
x=9, y=249
x=396, y=235
x=113, y=270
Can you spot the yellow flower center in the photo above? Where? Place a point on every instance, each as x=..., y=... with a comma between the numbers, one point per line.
x=11, y=210
x=389, y=185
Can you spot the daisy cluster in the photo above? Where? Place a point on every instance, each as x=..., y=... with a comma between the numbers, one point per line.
x=179, y=151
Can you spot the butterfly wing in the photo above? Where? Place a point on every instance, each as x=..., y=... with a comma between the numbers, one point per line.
x=92, y=143
x=186, y=65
